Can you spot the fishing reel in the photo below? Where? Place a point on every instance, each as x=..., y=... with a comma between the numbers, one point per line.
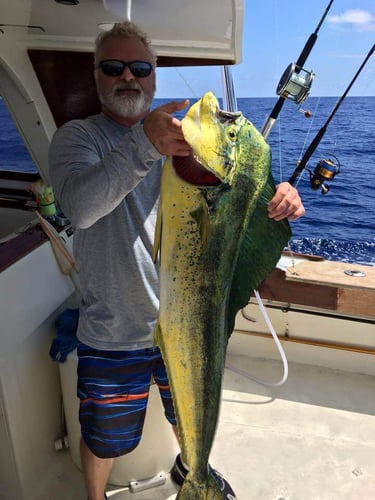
x=325, y=171
x=295, y=83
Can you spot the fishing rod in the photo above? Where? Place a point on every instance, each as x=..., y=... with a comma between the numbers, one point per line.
x=295, y=82
x=326, y=169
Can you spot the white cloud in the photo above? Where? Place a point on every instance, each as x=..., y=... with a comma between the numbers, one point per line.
x=359, y=19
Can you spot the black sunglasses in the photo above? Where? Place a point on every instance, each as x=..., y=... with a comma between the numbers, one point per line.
x=114, y=67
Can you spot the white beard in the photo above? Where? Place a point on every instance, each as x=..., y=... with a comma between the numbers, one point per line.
x=126, y=106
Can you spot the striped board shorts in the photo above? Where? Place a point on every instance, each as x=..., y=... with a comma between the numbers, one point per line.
x=113, y=388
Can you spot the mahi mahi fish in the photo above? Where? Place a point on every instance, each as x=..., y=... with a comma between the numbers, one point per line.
x=215, y=244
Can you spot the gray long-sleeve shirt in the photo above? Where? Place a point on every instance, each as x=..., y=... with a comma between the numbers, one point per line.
x=107, y=180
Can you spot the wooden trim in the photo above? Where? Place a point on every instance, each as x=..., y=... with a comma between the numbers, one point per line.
x=346, y=300
x=356, y=301
x=276, y=287
x=19, y=246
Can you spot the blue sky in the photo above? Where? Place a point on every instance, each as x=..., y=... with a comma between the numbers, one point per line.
x=275, y=31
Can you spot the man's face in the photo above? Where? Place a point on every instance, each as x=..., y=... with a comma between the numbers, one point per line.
x=125, y=96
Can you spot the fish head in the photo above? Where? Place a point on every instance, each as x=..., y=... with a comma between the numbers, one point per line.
x=212, y=134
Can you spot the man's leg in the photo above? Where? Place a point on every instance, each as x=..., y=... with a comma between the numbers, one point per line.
x=96, y=472
x=113, y=388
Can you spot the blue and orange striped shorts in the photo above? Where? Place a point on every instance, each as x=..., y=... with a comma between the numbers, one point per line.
x=113, y=388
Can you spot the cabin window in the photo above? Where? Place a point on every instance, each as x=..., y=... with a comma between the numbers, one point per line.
x=14, y=156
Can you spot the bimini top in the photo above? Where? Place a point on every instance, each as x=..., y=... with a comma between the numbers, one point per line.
x=46, y=52
x=195, y=30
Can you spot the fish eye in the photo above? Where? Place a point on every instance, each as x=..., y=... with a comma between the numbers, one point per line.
x=232, y=134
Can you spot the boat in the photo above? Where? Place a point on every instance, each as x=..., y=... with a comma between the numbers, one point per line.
x=311, y=437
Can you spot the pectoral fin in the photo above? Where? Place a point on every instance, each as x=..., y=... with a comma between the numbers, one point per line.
x=157, y=236
x=157, y=334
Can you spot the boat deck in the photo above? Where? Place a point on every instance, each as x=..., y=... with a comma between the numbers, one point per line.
x=312, y=438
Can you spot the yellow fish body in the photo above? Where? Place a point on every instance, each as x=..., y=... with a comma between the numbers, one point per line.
x=215, y=244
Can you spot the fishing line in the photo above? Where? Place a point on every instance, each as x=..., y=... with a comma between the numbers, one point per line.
x=187, y=83
x=368, y=83
x=319, y=136
x=310, y=127
x=306, y=138
x=291, y=254
x=280, y=152
x=279, y=347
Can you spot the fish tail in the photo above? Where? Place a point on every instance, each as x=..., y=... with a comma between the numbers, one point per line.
x=194, y=490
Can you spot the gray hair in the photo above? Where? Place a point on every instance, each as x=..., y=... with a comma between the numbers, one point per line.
x=125, y=29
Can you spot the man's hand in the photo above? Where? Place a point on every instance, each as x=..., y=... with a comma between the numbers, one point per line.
x=165, y=131
x=286, y=203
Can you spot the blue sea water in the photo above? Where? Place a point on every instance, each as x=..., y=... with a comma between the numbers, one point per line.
x=339, y=225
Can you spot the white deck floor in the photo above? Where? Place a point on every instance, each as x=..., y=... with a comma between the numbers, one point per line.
x=312, y=438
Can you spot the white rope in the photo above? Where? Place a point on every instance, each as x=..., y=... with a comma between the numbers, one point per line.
x=61, y=251
x=279, y=347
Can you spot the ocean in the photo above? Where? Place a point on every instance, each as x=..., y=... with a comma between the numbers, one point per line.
x=339, y=225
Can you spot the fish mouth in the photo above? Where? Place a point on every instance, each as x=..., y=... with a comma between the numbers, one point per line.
x=191, y=170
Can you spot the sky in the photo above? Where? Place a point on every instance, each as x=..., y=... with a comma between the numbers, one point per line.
x=275, y=32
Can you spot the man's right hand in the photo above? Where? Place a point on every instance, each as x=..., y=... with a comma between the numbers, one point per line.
x=165, y=131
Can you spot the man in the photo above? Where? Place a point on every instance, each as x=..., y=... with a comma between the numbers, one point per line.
x=105, y=171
